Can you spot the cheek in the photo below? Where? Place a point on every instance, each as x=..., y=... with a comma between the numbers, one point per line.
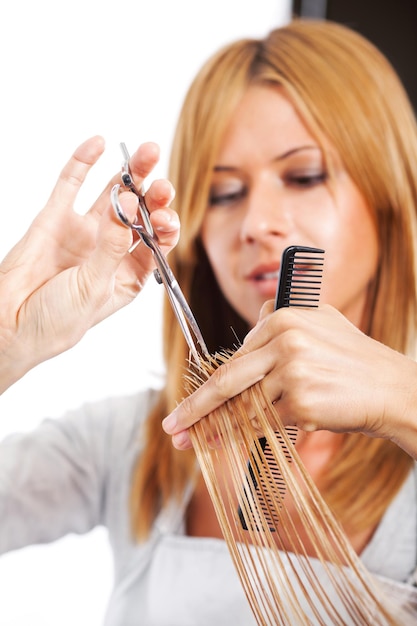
x=362, y=238
x=216, y=240
x=356, y=231
x=210, y=243
x=351, y=260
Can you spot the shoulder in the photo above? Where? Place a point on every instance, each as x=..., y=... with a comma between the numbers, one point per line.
x=391, y=553
x=99, y=430
x=113, y=420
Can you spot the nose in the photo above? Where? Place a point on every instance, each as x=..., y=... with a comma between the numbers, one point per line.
x=266, y=216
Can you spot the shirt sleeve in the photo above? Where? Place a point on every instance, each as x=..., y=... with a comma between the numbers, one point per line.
x=54, y=480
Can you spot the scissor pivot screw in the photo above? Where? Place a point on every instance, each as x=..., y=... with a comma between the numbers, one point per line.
x=157, y=276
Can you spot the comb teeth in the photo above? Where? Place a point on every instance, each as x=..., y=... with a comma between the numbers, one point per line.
x=300, y=277
x=299, y=285
x=270, y=489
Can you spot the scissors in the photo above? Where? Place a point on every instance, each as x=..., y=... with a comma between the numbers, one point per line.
x=163, y=274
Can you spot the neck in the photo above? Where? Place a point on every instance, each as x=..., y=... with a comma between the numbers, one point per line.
x=317, y=448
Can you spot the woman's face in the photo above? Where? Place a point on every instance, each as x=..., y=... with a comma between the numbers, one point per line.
x=269, y=190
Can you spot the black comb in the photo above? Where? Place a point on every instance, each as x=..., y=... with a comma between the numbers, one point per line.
x=300, y=277
x=299, y=286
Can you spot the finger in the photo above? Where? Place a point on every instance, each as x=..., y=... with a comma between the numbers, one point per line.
x=228, y=380
x=182, y=440
x=164, y=220
x=143, y=161
x=250, y=341
x=159, y=195
x=273, y=323
x=113, y=242
x=74, y=173
x=141, y=164
x=167, y=224
x=129, y=206
x=267, y=308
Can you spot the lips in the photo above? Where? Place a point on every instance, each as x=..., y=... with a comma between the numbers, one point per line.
x=264, y=272
x=267, y=276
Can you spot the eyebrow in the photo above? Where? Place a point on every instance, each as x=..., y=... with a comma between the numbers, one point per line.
x=280, y=157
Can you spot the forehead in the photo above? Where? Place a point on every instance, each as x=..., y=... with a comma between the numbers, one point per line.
x=266, y=125
x=264, y=119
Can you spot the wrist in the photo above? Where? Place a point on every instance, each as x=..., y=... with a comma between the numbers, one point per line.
x=15, y=360
x=401, y=416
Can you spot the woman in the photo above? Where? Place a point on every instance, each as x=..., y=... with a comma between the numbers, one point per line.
x=306, y=138
x=345, y=183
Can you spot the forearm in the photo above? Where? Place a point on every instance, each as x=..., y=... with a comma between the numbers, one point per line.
x=14, y=363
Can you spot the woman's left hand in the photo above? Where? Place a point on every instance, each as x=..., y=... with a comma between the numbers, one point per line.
x=320, y=371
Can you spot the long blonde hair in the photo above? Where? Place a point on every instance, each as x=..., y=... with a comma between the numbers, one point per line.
x=345, y=90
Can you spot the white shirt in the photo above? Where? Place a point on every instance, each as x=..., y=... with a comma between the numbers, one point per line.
x=73, y=474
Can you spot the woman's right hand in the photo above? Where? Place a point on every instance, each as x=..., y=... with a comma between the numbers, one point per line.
x=70, y=271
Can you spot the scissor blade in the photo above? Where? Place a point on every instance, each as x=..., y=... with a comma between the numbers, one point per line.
x=178, y=301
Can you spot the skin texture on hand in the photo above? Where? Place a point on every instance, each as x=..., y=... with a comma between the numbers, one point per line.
x=321, y=372
x=70, y=271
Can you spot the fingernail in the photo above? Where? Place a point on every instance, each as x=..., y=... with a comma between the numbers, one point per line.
x=171, y=223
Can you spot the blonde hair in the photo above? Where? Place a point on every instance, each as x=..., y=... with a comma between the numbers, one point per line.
x=272, y=516
x=345, y=90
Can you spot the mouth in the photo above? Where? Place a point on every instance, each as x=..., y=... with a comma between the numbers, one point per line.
x=264, y=280
x=266, y=276
x=264, y=273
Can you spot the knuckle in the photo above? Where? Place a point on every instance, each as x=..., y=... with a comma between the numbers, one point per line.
x=222, y=381
x=188, y=409
x=294, y=341
x=296, y=373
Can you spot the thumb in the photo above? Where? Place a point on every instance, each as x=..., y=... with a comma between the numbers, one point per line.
x=113, y=238
x=266, y=309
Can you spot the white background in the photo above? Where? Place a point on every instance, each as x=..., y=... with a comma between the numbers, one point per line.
x=69, y=71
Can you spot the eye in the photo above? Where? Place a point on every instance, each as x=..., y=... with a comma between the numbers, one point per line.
x=226, y=195
x=306, y=179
